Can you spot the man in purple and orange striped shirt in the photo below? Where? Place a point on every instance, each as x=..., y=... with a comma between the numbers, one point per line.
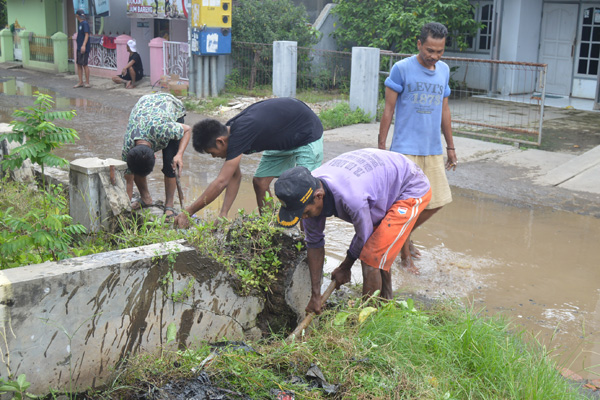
x=380, y=192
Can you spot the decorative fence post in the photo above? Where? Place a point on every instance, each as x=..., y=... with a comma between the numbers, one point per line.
x=285, y=68
x=364, y=80
x=61, y=51
x=156, y=59
x=6, y=44
x=25, y=55
x=122, y=53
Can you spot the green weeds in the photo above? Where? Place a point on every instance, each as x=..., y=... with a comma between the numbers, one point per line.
x=395, y=352
x=246, y=247
x=342, y=115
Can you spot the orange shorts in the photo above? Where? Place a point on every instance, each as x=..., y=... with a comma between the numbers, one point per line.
x=387, y=239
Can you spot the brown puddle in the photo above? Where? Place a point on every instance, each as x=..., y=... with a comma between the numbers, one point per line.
x=538, y=267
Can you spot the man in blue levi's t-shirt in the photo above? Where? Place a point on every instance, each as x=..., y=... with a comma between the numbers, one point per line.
x=286, y=130
x=417, y=91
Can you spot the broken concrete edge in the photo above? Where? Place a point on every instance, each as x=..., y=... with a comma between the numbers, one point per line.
x=67, y=324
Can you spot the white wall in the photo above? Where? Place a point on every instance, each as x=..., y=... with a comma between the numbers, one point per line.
x=117, y=21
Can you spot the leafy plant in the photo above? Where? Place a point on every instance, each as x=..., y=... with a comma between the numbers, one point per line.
x=38, y=135
x=342, y=115
x=18, y=388
x=247, y=246
x=395, y=25
x=43, y=233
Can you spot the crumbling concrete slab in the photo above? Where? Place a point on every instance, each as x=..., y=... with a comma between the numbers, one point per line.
x=69, y=322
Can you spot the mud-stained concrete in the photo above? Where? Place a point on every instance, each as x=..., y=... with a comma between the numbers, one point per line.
x=68, y=324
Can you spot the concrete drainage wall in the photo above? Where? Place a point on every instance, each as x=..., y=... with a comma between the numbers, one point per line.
x=70, y=322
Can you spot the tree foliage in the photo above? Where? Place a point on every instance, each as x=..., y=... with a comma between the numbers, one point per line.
x=396, y=24
x=3, y=16
x=266, y=21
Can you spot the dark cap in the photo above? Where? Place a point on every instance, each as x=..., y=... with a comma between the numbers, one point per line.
x=295, y=189
x=80, y=12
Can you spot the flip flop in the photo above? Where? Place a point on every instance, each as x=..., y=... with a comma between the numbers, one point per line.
x=174, y=211
x=142, y=204
x=78, y=85
x=87, y=85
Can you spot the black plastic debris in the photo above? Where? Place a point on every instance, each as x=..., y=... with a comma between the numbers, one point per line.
x=198, y=388
x=316, y=376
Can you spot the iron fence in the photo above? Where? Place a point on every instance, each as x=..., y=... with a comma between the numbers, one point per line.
x=324, y=71
x=318, y=71
x=41, y=49
x=494, y=99
x=252, y=66
x=176, y=59
x=100, y=56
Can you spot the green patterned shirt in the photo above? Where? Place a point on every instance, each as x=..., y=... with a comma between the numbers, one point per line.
x=154, y=118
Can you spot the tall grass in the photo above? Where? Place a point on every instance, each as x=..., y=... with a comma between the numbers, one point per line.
x=396, y=353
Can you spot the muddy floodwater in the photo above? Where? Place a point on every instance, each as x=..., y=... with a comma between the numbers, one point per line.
x=537, y=266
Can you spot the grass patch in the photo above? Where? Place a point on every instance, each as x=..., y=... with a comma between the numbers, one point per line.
x=342, y=115
x=397, y=352
x=35, y=227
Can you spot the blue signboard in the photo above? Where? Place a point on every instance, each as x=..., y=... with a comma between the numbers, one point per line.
x=211, y=41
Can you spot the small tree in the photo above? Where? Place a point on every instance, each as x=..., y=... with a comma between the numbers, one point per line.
x=265, y=22
x=396, y=24
x=38, y=135
x=45, y=232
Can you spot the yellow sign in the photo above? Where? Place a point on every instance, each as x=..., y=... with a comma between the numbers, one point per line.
x=211, y=13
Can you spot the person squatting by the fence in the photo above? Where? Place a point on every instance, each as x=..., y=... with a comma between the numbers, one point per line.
x=155, y=123
x=289, y=131
x=83, y=50
x=417, y=90
x=380, y=192
x=133, y=71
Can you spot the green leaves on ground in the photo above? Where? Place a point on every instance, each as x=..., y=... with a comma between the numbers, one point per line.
x=40, y=232
x=247, y=246
x=342, y=115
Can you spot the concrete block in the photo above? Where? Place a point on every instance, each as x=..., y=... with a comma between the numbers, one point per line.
x=97, y=192
x=285, y=68
x=364, y=80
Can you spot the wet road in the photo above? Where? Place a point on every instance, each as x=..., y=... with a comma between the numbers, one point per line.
x=536, y=265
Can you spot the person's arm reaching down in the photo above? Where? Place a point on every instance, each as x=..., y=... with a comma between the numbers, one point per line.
x=386, y=119
x=214, y=189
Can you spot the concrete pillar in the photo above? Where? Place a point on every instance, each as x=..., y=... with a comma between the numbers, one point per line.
x=199, y=76
x=364, y=80
x=122, y=53
x=156, y=59
x=25, y=55
x=213, y=76
x=97, y=192
x=205, y=77
x=61, y=51
x=6, y=44
x=285, y=68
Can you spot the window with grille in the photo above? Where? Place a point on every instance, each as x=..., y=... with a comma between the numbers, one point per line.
x=589, y=45
x=482, y=42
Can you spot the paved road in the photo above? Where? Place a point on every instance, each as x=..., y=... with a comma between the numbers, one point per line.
x=523, y=177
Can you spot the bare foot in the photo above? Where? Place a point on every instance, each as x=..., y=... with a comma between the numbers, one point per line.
x=414, y=252
x=408, y=264
x=130, y=85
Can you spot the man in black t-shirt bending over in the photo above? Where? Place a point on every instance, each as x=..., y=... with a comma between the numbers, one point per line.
x=133, y=71
x=287, y=132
